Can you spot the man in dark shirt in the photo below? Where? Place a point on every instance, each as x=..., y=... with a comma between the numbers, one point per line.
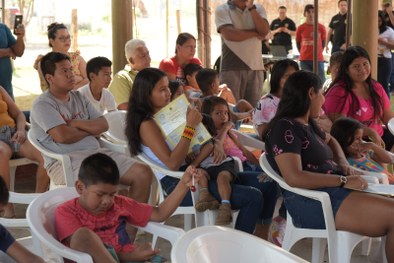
x=337, y=28
x=282, y=29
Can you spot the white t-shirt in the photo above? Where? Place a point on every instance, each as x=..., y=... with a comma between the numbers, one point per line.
x=389, y=35
x=106, y=102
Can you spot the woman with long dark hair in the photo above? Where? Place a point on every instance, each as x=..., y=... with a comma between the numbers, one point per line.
x=308, y=158
x=149, y=94
x=355, y=94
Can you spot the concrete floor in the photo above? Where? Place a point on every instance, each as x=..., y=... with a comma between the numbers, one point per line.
x=25, y=183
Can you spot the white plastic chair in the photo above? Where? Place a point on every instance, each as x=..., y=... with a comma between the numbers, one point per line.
x=41, y=213
x=248, y=141
x=390, y=125
x=211, y=244
x=340, y=243
x=64, y=159
x=14, y=163
x=27, y=242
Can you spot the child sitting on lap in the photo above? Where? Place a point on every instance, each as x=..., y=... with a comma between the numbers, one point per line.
x=223, y=172
x=95, y=222
x=361, y=154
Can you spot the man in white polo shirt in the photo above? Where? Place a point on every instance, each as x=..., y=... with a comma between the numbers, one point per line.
x=242, y=25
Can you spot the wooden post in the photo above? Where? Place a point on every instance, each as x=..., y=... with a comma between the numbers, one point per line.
x=365, y=31
x=122, y=31
x=167, y=29
x=315, y=37
x=3, y=11
x=74, y=29
x=348, y=23
x=178, y=20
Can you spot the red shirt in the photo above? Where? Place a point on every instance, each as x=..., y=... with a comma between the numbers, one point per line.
x=170, y=65
x=304, y=36
x=109, y=226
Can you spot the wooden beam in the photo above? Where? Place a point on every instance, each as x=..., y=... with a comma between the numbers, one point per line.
x=122, y=31
x=365, y=31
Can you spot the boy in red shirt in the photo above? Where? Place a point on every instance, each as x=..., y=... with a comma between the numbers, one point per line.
x=95, y=222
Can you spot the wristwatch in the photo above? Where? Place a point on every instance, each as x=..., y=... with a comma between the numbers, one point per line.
x=343, y=180
x=252, y=7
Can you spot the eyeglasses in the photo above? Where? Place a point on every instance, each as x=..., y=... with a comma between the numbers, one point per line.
x=64, y=39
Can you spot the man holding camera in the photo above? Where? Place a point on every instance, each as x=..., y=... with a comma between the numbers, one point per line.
x=10, y=48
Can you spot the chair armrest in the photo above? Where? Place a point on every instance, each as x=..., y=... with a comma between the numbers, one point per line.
x=248, y=141
x=113, y=146
x=158, y=168
x=169, y=233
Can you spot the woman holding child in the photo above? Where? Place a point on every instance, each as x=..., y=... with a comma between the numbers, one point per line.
x=150, y=93
x=304, y=156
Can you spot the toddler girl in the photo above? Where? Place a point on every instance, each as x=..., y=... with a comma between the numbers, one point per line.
x=367, y=156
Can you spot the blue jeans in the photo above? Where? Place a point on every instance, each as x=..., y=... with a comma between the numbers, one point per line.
x=268, y=189
x=384, y=73
x=308, y=65
x=246, y=199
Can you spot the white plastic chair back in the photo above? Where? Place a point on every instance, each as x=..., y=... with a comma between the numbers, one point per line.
x=64, y=159
x=340, y=243
x=117, y=123
x=249, y=142
x=211, y=244
x=41, y=218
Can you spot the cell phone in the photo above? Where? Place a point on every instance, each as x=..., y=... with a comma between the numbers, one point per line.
x=18, y=22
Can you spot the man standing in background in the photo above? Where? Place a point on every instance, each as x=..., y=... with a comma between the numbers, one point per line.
x=242, y=25
x=282, y=29
x=9, y=48
x=304, y=40
x=337, y=28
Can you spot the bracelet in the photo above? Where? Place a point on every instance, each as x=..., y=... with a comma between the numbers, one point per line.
x=188, y=133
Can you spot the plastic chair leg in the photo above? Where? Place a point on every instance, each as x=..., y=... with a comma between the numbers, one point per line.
x=318, y=249
x=187, y=222
x=366, y=246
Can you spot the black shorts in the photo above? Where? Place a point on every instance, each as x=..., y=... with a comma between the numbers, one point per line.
x=229, y=166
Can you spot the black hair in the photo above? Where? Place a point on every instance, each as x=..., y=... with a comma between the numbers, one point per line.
x=277, y=72
x=295, y=101
x=48, y=63
x=282, y=7
x=98, y=168
x=308, y=7
x=209, y=103
x=4, y=194
x=140, y=107
x=336, y=57
x=189, y=70
x=96, y=64
x=52, y=30
x=174, y=86
x=207, y=121
x=205, y=77
x=339, y=1
x=350, y=54
x=343, y=130
x=383, y=26
x=183, y=38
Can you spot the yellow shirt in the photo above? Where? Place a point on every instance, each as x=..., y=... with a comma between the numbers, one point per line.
x=5, y=118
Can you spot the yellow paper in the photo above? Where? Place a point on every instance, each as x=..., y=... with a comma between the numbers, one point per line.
x=172, y=120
